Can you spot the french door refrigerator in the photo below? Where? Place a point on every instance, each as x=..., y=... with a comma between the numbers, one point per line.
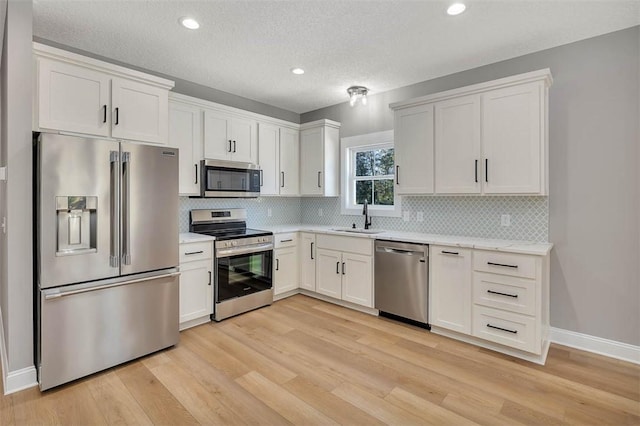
x=106, y=254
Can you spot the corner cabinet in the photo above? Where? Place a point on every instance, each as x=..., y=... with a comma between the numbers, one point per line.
x=489, y=138
x=196, y=283
x=320, y=155
x=83, y=95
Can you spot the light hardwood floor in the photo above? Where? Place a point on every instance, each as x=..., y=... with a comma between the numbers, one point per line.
x=303, y=361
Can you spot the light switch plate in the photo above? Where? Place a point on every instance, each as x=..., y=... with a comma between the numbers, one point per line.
x=3, y=173
x=505, y=220
x=419, y=216
x=269, y=212
x=320, y=212
x=406, y=216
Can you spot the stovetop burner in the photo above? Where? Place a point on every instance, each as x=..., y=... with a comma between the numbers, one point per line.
x=224, y=224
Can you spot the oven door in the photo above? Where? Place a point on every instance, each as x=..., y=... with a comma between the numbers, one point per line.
x=242, y=274
x=225, y=179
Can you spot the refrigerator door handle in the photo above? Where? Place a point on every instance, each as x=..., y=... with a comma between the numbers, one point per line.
x=114, y=259
x=55, y=295
x=126, y=213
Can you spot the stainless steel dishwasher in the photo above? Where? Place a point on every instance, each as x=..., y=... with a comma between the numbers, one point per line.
x=402, y=281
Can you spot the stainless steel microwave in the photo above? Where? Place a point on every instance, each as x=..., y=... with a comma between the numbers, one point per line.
x=229, y=179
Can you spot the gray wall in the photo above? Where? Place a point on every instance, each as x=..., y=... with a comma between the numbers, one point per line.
x=193, y=89
x=16, y=279
x=594, y=180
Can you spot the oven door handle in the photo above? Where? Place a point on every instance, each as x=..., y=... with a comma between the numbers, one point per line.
x=235, y=251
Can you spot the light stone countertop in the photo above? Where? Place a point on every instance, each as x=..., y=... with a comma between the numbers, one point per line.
x=191, y=237
x=523, y=247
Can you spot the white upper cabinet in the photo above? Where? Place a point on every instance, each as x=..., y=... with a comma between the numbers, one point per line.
x=320, y=158
x=289, y=158
x=269, y=149
x=457, y=146
x=73, y=98
x=279, y=148
x=414, y=150
x=83, y=95
x=140, y=111
x=185, y=133
x=512, y=130
x=490, y=138
x=231, y=138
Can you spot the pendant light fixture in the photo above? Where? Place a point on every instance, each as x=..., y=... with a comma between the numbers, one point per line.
x=357, y=92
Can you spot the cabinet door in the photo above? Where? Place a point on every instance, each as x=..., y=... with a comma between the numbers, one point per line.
x=512, y=140
x=285, y=275
x=268, y=143
x=414, y=150
x=217, y=146
x=312, y=159
x=140, y=111
x=289, y=149
x=450, y=301
x=328, y=273
x=457, y=146
x=185, y=123
x=73, y=99
x=357, y=279
x=196, y=290
x=308, y=262
x=244, y=140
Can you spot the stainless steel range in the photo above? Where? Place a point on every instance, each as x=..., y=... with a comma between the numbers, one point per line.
x=243, y=261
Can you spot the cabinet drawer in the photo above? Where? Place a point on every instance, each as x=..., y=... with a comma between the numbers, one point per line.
x=356, y=245
x=516, y=265
x=509, y=329
x=289, y=239
x=190, y=252
x=509, y=293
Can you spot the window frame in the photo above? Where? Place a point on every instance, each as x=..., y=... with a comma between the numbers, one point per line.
x=349, y=146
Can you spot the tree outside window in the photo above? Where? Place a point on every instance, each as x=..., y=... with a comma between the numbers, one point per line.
x=373, y=175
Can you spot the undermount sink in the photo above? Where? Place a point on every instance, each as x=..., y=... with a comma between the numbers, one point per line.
x=358, y=230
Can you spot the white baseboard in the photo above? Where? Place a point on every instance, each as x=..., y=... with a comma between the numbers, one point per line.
x=14, y=381
x=598, y=345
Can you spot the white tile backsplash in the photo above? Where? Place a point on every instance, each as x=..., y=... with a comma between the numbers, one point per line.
x=471, y=216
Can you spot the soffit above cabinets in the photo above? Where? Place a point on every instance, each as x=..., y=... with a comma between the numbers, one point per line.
x=248, y=47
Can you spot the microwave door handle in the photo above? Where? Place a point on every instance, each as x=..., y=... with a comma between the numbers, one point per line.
x=126, y=208
x=114, y=159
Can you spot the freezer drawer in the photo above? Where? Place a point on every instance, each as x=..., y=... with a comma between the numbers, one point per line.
x=87, y=328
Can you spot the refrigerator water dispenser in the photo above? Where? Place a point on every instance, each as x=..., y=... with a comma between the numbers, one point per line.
x=76, y=220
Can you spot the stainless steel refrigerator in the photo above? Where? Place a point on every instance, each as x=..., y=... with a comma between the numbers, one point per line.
x=106, y=254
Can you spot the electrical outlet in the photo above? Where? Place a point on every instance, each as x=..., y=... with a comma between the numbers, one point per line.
x=419, y=216
x=406, y=215
x=269, y=212
x=320, y=212
x=3, y=173
x=505, y=220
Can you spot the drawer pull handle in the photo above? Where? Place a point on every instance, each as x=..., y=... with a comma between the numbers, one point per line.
x=503, y=329
x=286, y=241
x=455, y=253
x=503, y=265
x=193, y=252
x=502, y=294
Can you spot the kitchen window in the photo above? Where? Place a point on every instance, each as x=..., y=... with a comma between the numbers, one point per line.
x=368, y=174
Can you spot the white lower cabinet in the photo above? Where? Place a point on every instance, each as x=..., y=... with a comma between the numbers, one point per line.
x=308, y=261
x=285, y=271
x=451, y=288
x=344, y=268
x=499, y=299
x=196, y=283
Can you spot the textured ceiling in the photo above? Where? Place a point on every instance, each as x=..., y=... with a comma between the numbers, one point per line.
x=247, y=47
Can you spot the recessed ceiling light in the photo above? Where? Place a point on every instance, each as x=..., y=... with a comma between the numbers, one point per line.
x=297, y=71
x=189, y=23
x=456, y=9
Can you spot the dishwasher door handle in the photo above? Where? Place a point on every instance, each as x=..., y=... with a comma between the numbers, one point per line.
x=391, y=250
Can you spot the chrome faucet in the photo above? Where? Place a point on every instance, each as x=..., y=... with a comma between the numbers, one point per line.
x=367, y=218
